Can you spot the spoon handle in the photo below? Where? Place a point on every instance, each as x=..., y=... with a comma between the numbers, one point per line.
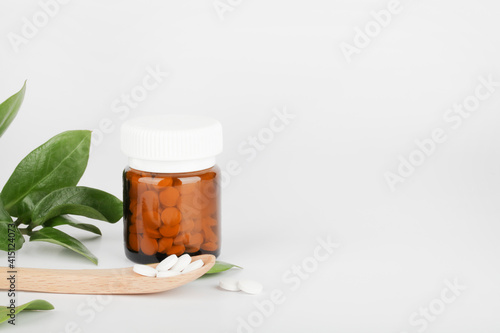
x=89, y=281
x=96, y=281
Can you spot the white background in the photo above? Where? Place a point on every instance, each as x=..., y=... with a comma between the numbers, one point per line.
x=323, y=176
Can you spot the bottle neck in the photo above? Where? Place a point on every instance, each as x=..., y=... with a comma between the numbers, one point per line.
x=171, y=166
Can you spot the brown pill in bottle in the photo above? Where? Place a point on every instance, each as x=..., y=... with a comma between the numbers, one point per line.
x=180, y=239
x=165, y=244
x=196, y=239
x=187, y=226
x=170, y=230
x=151, y=219
x=192, y=248
x=210, y=246
x=162, y=183
x=149, y=201
x=137, y=228
x=134, y=208
x=133, y=241
x=187, y=186
x=171, y=216
x=152, y=233
x=209, y=221
x=176, y=249
x=186, y=207
x=169, y=196
x=149, y=246
x=209, y=235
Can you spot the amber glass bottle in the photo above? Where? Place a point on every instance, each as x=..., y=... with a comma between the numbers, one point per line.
x=171, y=187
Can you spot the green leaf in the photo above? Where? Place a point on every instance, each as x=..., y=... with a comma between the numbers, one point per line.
x=30, y=306
x=26, y=206
x=9, y=109
x=58, y=237
x=84, y=201
x=66, y=220
x=10, y=234
x=221, y=266
x=4, y=216
x=60, y=162
x=6, y=223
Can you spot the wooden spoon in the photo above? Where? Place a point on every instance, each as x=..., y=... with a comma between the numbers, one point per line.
x=98, y=281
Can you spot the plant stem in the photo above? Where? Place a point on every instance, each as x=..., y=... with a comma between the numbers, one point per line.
x=25, y=231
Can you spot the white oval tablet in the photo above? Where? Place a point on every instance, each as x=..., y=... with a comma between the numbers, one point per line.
x=181, y=263
x=166, y=274
x=250, y=287
x=167, y=263
x=193, y=266
x=229, y=284
x=145, y=270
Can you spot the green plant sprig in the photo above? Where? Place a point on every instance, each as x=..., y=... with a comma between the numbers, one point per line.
x=221, y=266
x=43, y=190
x=36, y=305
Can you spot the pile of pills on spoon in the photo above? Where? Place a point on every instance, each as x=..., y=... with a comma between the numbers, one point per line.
x=247, y=286
x=170, y=266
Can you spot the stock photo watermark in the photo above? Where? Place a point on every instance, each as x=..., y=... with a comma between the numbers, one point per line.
x=454, y=118
x=48, y=9
x=87, y=311
x=224, y=7
x=123, y=105
x=292, y=278
x=425, y=315
x=11, y=272
x=364, y=36
x=250, y=148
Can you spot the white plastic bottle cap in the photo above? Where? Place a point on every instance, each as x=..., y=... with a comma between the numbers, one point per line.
x=171, y=143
